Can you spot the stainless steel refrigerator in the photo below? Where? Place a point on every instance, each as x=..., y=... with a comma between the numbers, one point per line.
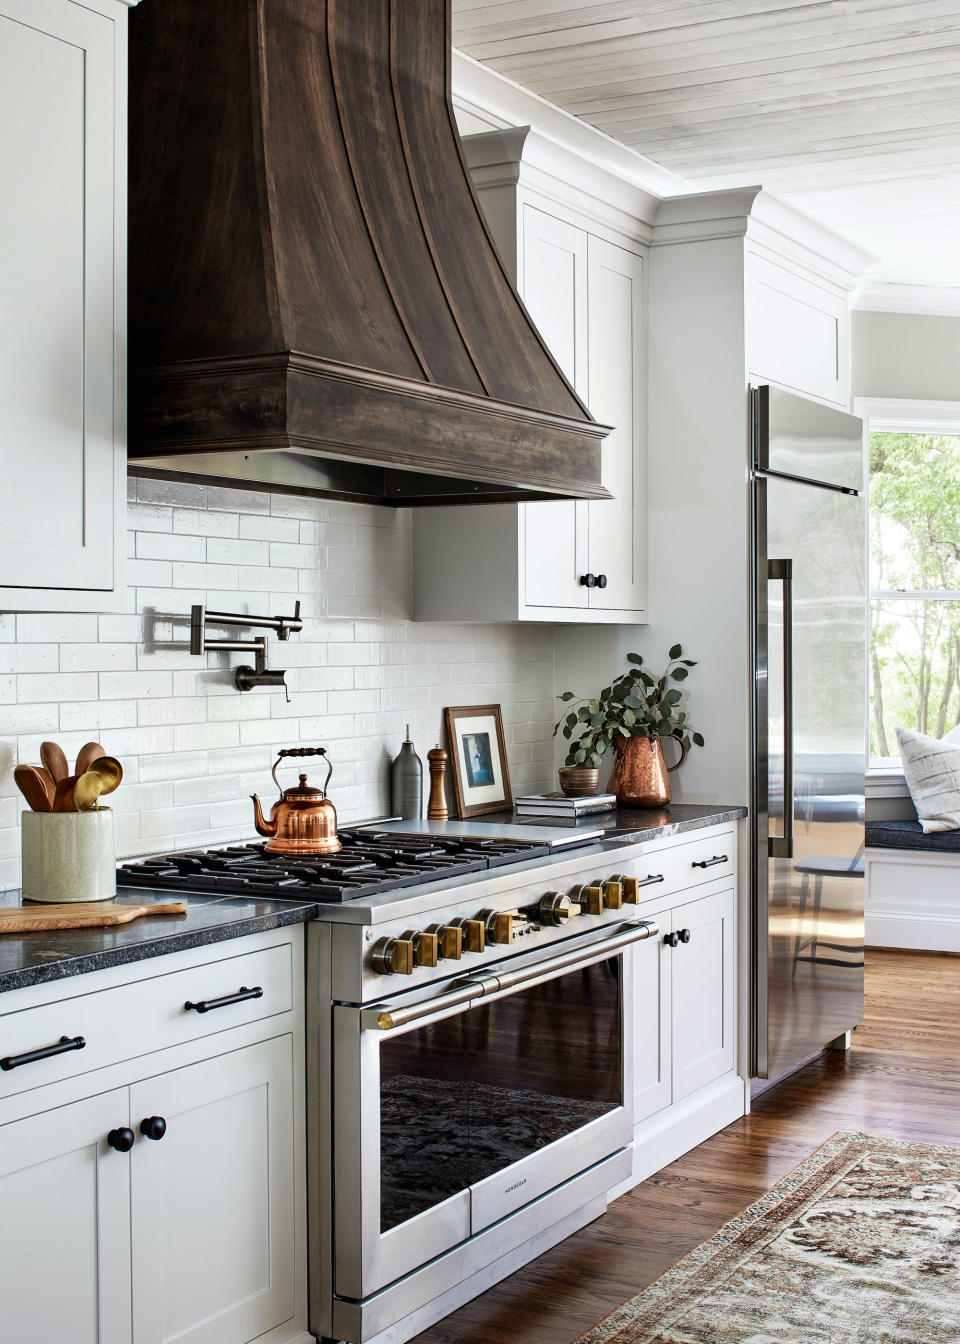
x=809, y=633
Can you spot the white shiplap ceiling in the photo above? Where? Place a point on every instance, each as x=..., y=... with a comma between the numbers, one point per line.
x=849, y=109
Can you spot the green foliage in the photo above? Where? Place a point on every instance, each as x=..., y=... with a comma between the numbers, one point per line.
x=914, y=545
x=635, y=704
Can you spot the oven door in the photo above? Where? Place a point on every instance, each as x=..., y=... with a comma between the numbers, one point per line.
x=457, y=1104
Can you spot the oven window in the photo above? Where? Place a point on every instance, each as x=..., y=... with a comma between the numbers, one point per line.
x=463, y=1098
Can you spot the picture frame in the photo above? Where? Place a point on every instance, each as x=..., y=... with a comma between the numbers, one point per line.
x=481, y=774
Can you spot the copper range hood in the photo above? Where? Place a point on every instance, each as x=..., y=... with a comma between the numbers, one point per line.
x=315, y=302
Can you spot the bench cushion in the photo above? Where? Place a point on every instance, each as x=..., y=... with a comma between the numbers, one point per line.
x=910, y=835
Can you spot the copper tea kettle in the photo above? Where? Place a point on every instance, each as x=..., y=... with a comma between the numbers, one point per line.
x=303, y=821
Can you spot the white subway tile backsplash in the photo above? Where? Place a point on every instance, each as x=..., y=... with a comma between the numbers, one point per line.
x=170, y=546
x=55, y=628
x=193, y=748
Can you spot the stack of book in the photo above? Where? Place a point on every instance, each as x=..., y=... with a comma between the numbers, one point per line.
x=559, y=805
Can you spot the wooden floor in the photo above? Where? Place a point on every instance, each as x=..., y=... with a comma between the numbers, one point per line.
x=900, y=1080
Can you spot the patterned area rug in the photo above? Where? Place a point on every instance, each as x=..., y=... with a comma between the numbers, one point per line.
x=860, y=1244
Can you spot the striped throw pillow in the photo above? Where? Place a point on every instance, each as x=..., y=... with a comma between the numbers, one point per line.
x=931, y=767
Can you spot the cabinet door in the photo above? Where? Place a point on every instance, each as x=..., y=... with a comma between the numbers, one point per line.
x=65, y=1226
x=213, y=1200
x=702, y=993
x=57, y=295
x=617, y=527
x=554, y=289
x=651, y=1026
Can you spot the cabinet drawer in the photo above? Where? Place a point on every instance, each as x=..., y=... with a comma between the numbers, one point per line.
x=136, y=1019
x=687, y=865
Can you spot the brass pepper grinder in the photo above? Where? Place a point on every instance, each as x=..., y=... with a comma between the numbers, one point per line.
x=437, y=802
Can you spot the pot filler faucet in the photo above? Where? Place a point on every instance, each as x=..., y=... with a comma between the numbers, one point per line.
x=246, y=677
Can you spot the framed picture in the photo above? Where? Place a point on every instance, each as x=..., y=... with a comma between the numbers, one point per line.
x=481, y=776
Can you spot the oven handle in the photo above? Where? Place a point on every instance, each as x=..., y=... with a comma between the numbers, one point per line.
x=471, y=990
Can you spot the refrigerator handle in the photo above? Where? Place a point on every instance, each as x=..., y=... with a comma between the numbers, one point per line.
x=781, y=846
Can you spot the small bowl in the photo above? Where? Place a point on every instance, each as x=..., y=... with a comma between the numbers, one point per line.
x=578, y=781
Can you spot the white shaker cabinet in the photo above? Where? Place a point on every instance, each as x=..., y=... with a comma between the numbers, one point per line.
x=65, y=1226
x=572, y=239
x=217, y=1189
x=62, y=303
x=685, y=1002
x=152, y=1181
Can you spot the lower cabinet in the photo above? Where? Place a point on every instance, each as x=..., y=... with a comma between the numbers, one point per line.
x=684, y=994
x=212, y=1204
x=65, y=1225
x=183, y=1219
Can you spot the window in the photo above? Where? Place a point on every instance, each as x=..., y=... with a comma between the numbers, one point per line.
x=913, y=454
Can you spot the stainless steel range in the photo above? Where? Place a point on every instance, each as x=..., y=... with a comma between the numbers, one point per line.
x=470, y=1077
x=469, y=1020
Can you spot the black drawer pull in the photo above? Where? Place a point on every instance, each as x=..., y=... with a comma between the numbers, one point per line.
x=650, y=881
x=671, y=939
x=205, y=1005
x=710, y=863
x=63, y=1045
x=683, y=935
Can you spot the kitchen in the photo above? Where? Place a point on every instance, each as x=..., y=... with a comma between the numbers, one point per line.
x=266, y=544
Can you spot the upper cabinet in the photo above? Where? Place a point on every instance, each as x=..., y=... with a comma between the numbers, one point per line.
x=62, y=303
x=573, y=239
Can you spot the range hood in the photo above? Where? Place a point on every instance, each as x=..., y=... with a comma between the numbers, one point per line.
x=315, y=302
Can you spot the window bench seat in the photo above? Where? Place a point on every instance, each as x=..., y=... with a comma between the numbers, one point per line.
x=913, y=887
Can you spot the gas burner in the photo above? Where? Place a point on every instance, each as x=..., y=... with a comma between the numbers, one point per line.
x=370, y=862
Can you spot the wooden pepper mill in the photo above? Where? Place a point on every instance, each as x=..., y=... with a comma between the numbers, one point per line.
x=437, y=802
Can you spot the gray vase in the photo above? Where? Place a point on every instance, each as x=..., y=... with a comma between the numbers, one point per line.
x=406, y=781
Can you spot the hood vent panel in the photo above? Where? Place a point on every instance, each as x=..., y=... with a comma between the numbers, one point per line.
x=315, y=303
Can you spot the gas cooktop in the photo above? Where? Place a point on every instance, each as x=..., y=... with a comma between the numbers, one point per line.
x=370, y=861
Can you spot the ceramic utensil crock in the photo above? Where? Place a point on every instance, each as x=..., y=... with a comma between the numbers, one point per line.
x=68, y=856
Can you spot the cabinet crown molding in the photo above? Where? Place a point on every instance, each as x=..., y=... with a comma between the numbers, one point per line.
x=522, y=155
x=772, y=223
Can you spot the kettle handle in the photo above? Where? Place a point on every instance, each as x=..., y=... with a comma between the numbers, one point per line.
x=302, y=751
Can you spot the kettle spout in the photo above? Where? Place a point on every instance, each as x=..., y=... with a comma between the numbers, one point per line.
x=263, y=826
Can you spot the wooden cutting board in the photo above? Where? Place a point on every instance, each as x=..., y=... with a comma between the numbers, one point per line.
x=82, y=915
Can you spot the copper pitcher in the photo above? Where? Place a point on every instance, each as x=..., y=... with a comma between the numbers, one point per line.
x=303, y=821
x=640, y=775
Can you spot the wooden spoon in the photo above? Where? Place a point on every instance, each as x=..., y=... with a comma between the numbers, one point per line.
x=48, y=783
x=86, y=757
x=54, y=759
x=109, y=770
x=33, y=787
x=63, y=798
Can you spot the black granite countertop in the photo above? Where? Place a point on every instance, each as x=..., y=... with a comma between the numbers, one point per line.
x=637, y=823
x=32, y=958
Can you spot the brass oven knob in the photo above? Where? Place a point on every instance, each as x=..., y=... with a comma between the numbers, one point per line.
x=393, y=956
x=555, y=908
x=473, y=932
x=589, y=899
x=612, y=894
x=498, y=924
x=449, y=940
x=425, y=949
x=631, y=888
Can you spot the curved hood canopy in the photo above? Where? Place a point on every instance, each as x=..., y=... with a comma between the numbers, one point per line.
x=315, y=302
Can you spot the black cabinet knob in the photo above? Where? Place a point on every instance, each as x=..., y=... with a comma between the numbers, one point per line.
x=121, y=1139
x=671, y=939
x=684, y=935
x=588, y=580
x=601, y=580
x=153, y=1127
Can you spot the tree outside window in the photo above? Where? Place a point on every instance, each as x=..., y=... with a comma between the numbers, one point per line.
x=915, y=583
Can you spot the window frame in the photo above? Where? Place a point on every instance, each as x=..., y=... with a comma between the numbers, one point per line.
x=897, y=415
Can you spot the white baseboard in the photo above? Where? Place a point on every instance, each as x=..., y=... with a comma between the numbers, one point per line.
x=672, y=1132
x=913, y=900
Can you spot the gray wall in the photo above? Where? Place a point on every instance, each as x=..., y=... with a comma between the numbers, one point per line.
x=907, y=355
